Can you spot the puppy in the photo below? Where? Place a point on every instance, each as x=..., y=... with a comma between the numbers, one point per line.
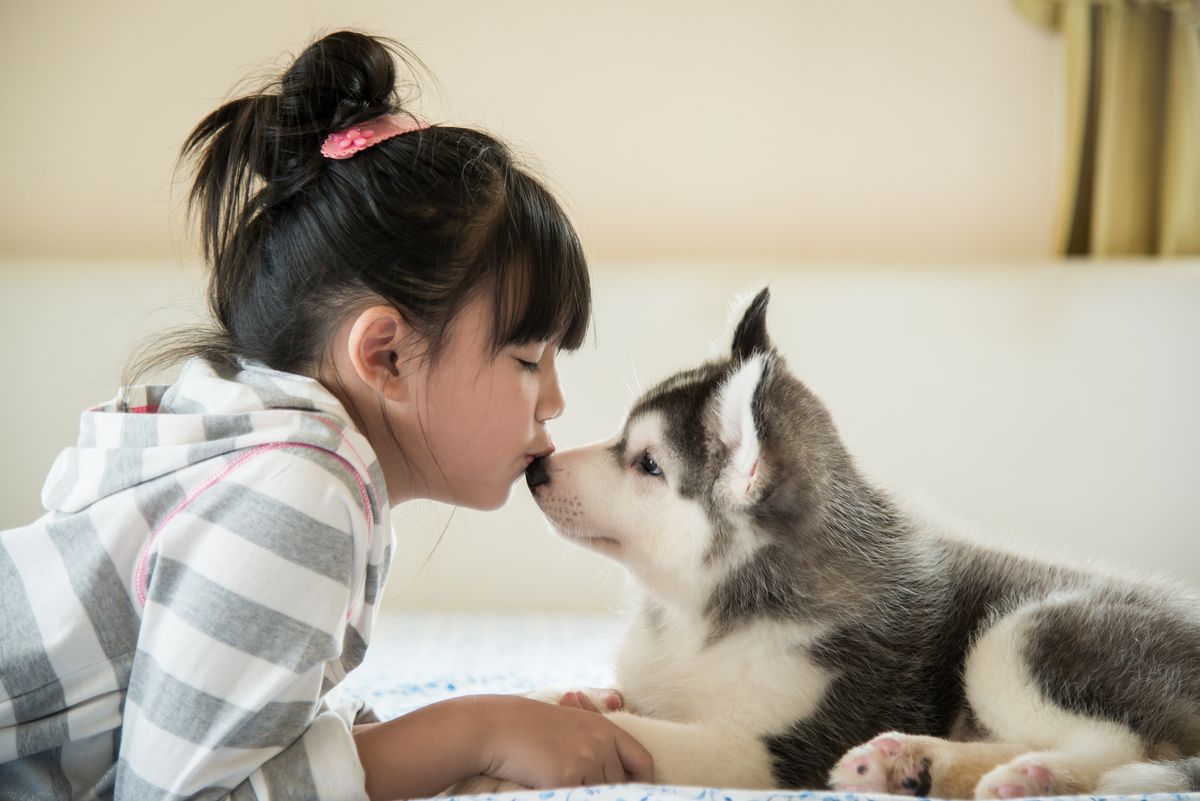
x=797, y=629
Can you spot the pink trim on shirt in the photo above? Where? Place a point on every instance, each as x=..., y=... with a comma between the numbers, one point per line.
x=141, y=578
x=150, y=408
x=334, y=428
x=346, y=441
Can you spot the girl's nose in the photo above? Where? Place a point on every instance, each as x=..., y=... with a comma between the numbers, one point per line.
x=551, y=403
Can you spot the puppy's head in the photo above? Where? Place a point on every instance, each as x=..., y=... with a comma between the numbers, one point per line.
x=710, y=465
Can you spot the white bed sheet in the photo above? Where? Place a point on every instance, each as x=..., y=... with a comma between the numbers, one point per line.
x=416, y=658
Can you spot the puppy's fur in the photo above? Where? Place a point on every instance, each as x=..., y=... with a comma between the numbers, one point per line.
x=792, y=614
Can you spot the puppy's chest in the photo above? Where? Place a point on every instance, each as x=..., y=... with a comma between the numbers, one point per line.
x=758, y=676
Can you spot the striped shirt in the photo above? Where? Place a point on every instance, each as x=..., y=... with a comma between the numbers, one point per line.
x=207, y=571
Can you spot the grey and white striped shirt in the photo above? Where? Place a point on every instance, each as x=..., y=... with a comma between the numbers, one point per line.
x=207, y=570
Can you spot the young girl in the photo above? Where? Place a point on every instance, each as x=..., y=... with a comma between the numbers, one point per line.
x=390, y=299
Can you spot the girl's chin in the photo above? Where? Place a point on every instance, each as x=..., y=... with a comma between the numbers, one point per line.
x=491, y=500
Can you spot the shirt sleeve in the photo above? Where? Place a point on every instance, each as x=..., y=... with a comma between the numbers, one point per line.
x=250, y=586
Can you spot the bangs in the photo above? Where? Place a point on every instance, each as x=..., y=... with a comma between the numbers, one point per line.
x=539, y=275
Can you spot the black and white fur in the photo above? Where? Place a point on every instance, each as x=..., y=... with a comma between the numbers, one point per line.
x=797, y=629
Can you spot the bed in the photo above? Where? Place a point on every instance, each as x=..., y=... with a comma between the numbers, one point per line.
x=417, y=658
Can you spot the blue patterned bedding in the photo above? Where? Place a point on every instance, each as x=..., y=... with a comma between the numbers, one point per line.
x=417, y=658
x=645, y=792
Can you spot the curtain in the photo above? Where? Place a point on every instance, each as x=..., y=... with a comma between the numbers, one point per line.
x=1132, y=183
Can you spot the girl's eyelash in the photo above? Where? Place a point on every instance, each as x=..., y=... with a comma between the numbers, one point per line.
x=532, y=367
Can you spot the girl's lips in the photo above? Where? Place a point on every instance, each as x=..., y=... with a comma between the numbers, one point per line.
x=530, y=457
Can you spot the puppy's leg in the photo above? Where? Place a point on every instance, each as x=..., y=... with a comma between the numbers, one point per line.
x=906, y=764
x=1067, y=674
x=701, y=754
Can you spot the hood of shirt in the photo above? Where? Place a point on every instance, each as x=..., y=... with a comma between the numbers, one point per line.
x=213, y=410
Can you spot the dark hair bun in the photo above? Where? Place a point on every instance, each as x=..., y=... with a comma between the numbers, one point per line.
x=339, y=80
x=275, y=135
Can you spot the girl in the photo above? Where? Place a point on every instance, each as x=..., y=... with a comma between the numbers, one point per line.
x=390, y=298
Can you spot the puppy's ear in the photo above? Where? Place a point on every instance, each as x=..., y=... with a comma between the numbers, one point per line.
x=751, y=334
x=739, y=403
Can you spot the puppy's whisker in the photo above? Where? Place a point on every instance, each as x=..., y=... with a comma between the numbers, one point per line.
x=632, y=392
x=636, y=379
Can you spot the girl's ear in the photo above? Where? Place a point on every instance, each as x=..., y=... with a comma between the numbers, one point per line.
x=378, y=344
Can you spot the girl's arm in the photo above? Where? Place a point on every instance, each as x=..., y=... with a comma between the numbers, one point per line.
x=509, y=737
x=419, y=754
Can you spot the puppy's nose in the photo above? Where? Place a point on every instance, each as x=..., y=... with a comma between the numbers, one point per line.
x=536, y=474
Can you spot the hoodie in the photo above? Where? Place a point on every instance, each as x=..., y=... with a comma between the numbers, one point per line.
x=207, y=570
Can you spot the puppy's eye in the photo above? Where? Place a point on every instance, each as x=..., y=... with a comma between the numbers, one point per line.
x=648, y=464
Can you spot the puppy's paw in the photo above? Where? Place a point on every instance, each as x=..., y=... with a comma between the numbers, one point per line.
x=594, y=699
x=891, y=763
x=1027, y=775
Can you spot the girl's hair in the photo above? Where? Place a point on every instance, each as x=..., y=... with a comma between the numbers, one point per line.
x=426, y=221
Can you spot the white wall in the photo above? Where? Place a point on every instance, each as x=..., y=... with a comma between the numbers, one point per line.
x=1051, y=405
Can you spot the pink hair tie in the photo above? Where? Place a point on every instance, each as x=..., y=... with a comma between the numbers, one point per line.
x=345, y=143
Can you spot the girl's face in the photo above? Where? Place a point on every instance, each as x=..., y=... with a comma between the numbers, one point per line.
x=469, y=425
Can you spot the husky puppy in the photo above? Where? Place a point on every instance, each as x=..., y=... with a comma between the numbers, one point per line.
x=797, y=629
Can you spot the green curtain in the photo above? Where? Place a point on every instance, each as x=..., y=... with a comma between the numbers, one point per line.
x=1132, y=183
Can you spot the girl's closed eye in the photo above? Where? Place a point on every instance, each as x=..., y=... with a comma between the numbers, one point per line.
x=531, y=359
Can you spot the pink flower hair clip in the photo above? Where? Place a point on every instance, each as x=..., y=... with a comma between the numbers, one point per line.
x=345, y=143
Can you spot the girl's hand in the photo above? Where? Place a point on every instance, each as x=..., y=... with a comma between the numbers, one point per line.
x=543, y=745
x=582, y=699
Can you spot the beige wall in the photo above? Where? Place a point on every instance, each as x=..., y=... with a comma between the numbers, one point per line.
x=793, y=130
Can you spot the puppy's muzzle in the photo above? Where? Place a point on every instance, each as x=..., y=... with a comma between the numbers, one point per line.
x=536, y=474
